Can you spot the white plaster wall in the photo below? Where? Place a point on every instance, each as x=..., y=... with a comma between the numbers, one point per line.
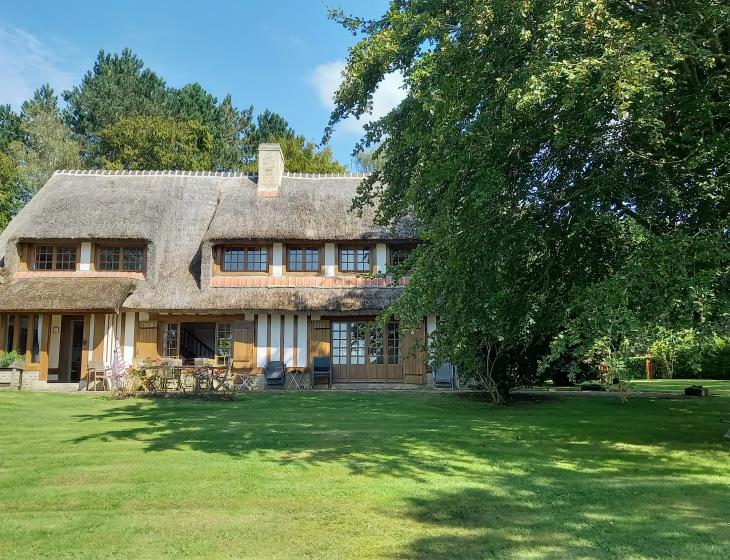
x=329, y=259
x=54, y=343
x=275, y=342
x=262, y=342
x=128, y=347
x=302, y=340
x=85, y=256
x=288, y=357
x=381, y=257
x=278, y=260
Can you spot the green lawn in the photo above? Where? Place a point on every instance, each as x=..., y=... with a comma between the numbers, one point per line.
x=677, y=386
x=333, y=475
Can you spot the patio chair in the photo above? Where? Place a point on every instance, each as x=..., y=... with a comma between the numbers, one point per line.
x=97, y=371
x=275, y=373
x=322, y=370
x=445, y=377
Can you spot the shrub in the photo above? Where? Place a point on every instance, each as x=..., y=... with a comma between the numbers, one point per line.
x=10, y=358
x=635, y=368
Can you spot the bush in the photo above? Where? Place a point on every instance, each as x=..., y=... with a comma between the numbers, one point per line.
x=716, y=359
x=635, y=368
x=9, y=358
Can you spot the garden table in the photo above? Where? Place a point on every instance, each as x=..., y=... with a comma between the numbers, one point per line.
x=297, y=379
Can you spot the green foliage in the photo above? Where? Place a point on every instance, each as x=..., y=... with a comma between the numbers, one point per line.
x=46, y=143
x=7, y=359
x=567, y=164
x=302, y=156
x=117, y=86
x=669, y=345
x=233, y=128
x=156, y=143
x=11, y=191
x=367, y=161
x=9, y=126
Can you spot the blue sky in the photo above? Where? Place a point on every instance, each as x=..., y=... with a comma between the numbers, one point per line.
x=284, y=55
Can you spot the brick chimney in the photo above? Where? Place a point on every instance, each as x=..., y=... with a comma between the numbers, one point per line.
x=271, y=169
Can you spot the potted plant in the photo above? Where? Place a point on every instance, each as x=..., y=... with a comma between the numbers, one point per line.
x=12, y=365
x=224, y=350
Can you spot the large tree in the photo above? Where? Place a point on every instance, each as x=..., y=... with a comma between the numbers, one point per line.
x=9, y=126
x=561, y=158
x=302, y=156
x=117, y=86
x=45, y=144
x=233, y=127
x=156, y=143
x=11, y=190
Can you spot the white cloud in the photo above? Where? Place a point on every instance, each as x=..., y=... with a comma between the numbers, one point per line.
x=326, y=79
x=26, y=63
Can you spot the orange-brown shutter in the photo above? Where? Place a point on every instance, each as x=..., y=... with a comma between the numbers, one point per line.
x=243, y=336
x=319, y=345
x=146, y=339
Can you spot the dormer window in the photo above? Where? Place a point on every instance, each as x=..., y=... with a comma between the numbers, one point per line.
x=302, y=259
x=398, y=255
x=120, y=258
x=355, y=259
x=54, y=257
x=245, y=259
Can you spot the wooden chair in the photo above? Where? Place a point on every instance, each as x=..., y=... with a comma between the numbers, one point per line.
x=97, y=371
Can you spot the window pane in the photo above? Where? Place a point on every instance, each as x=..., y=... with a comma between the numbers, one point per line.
x=357, y=343
x=43, y=257
x=393, y=343
x=224, y=339
x=109, y=258
x=66, y=258
x=347, y=260
x=376, y=352
x=311, y=260
x=233, y=259
x=398, y=255
x=339, y=343
x=36, y=351
x=23, y=340
x=10, y=334
x=257, y=259
x=296, y=260
x=132, y=259
x=169, y=341
x=362, y=262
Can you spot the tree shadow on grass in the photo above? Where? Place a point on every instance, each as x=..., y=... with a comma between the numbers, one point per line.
x=409, y=435
x=587, y=517
x=548, y=480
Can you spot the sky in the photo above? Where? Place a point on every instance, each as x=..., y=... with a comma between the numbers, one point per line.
x=284, y=55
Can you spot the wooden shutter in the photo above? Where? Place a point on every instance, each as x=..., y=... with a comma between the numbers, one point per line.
x=243, y=347
x=146, y=338
x=319, y=345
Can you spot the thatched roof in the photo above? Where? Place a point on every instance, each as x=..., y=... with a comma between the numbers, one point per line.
x=65, y=294
x=308, y=208
x=180, y=215
x=334, y=300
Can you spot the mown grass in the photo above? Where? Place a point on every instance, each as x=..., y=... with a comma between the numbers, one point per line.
x=340, y=475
